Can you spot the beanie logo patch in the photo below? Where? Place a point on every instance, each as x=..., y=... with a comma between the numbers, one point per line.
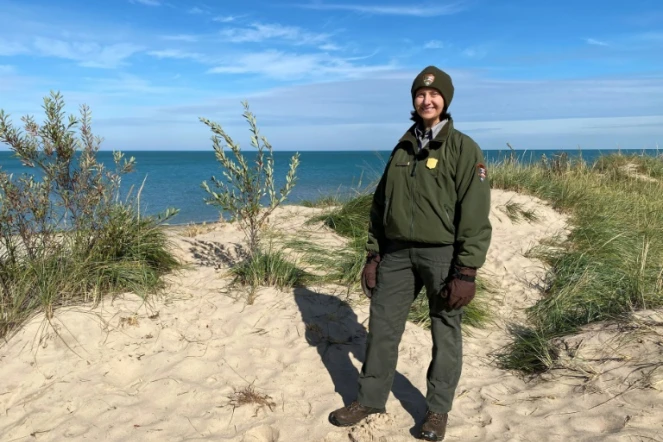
x=429, y=79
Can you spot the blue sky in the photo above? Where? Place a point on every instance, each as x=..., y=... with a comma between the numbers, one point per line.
x=331, y=74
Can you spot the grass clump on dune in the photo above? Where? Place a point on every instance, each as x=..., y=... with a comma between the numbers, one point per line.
x=65, y=238
x=271, y=268
x=611, y=263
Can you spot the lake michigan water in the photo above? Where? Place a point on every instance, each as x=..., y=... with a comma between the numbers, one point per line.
x=173, y=178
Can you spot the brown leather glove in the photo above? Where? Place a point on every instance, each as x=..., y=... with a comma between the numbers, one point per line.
x=460, y=290
x=369, y=274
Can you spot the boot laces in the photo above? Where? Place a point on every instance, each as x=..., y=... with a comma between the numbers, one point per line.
x=435, y=418
x=354, y=406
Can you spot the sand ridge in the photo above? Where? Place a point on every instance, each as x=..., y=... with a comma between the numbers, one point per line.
x=172, y=370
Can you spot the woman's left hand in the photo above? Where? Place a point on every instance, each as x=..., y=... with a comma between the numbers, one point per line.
x=461, y=288
x=460, y=293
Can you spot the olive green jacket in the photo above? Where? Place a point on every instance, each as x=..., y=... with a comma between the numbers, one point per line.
x=439, y=195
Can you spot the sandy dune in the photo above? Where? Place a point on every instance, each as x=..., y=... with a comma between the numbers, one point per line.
x=175, y=370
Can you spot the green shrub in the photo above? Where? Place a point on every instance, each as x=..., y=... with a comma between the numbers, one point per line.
x=64, y=236
x=241, y=192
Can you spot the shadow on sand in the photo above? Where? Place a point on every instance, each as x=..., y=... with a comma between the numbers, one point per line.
x=332, y=327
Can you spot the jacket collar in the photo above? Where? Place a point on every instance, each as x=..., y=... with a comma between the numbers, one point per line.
x=411, y=137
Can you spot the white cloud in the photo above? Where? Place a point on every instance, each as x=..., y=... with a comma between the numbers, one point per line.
x=434, y=44
x=182, y=37
x=258, y=32
x=88, y=54
x=195, y=10
x=594, y=42
x=10, y=48
x=280, y=65
x=147, y=2
x=227, y=18
x=124, y=84
x=405, y=10
x=554, y=126
x=329, y=47
x=177, y=54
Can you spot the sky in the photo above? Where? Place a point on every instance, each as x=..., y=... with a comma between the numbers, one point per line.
x=336, y=74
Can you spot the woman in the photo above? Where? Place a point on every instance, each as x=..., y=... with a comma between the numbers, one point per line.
x=429, y=227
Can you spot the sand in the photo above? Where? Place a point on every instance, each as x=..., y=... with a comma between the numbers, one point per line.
x=181, y=367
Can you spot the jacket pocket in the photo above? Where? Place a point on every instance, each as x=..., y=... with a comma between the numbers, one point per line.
x=448, y=219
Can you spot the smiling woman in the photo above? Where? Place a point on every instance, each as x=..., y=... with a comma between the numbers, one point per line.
x=429, y=227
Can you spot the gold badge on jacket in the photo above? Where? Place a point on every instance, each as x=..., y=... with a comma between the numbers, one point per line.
x=431, y=163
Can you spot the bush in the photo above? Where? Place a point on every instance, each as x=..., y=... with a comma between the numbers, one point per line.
x=242, y=191
x=64, y=236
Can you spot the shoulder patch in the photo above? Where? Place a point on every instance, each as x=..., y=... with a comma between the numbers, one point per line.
x=482, y=171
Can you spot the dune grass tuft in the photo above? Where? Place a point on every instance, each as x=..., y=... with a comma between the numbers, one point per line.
x=611, y=263
x=268, y=268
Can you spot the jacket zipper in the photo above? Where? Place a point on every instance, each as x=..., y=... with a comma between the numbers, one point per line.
x=412, y=194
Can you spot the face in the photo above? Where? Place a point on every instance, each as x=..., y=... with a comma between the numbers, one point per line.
x=429, y=104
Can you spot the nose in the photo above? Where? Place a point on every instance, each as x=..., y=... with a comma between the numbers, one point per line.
x=427, y=99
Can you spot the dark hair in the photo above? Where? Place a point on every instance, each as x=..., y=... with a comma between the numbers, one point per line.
x=414, y=116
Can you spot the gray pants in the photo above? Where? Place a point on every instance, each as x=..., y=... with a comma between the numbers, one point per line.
x=403, y=271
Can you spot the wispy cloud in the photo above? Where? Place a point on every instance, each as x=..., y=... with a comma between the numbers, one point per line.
x=406, y=10
x=595, y=42
x=286, y=66
x=87, y=54
x=124, y=84
x=177, y=54
x=147, y=2
x=10, y=48
x=329, y=47
x=227, y=18
x=195, y=10
x=258, y=32
x=188, y=38
x=434, y=44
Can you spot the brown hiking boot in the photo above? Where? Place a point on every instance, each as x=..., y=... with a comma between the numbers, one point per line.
x=434, y=426
x=352, y=414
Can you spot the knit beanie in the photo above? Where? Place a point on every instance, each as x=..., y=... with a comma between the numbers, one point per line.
x=437, y=79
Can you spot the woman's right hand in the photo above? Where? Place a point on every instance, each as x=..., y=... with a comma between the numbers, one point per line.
x=369, y=274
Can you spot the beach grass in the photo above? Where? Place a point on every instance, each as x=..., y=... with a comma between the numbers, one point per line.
x=129, y=254
x=611, y=263
x=270, y=267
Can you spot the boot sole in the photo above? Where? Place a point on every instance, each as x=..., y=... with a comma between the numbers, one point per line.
x=428, y=435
